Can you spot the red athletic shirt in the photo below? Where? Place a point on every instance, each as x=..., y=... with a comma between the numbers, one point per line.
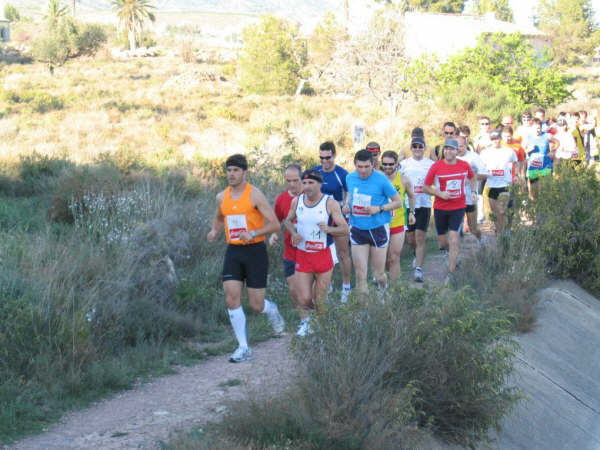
x=449, y=178
x=282, y=209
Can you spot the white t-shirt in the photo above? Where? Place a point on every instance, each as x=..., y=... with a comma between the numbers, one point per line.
x=416, y=172
x=567, y=148
x=499, y=163
x=478, y=167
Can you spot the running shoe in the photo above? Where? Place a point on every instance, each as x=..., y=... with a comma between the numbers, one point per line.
x=418, y=275
x=304, y=327
x=277, y=321
x=241, y=354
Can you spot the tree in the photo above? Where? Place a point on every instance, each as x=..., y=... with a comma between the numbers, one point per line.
x=273, y=57
x=443, y=6
x=67, y=39
x=571, y=27
x=324, y=40
x=501, y=8
x=11, y=13
x=508, y=61
x=55, y=11
x=132, y=15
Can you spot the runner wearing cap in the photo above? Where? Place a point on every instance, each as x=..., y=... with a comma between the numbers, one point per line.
x=308, y=224
x=293, y=184
x=500, y=162
x=246, y=216
x=446, y=181
x=334, y=184
x=415, y=169
x=481, y=174
x=389, y=164
x=370, y=214
x=375, y=150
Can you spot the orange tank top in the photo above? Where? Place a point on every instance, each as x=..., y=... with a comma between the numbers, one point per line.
x=240, y=215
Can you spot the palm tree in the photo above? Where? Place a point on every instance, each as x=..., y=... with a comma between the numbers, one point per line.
x=132, y=14
x=55, y=11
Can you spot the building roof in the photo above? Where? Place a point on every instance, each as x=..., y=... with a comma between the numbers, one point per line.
x=446, y=34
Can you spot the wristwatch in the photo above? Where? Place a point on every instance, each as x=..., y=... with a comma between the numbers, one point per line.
x=381, y=208
x=252, y=234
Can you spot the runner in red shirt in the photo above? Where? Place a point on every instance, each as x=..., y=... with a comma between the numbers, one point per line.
x=446, y=180
x=282, y=208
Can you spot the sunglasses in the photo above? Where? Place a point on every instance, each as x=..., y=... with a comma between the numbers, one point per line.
x=417, y=146
x=449, y=133
x=325, y=157
x=484, y=124
x=388, y=164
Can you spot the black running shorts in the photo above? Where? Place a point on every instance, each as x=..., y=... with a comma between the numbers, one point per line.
x=248, y=263
x=448, y=220
x=422, y=216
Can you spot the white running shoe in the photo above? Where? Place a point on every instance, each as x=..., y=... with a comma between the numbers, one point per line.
x=304, y=327
x=418, y=274
x=241, y=354
x=277, y=321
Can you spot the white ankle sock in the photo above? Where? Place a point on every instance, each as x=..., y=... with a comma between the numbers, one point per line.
x=270, y=307
x=238, y=322
x=346, y=287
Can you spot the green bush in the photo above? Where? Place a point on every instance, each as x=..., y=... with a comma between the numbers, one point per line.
x=143, y=39
x=36, y=171
x=11, y=13
x=377, y=375
x=566, y=224
x=68, y=39
x=37, y=101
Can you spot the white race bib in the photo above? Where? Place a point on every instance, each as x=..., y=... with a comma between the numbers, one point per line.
x=316, y=240
x=418, y=187
x=361, y=204
x=236, y=225
x=454, y=188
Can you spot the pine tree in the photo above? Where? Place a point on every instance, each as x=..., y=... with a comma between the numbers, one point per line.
x=501, y=8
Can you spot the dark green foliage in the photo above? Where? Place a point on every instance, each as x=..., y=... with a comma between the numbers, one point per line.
x=378, y=375
x=566, y=224
x=273, y=57
x=36, y=101
x=68, y=39
x=507, y=63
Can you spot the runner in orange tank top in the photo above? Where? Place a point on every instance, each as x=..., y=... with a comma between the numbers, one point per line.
x=246, y=216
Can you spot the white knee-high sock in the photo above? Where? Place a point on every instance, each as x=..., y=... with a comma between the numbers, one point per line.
x=238, y=322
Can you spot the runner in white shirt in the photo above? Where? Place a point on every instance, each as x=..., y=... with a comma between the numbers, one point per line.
x=567, y=149
x=500, y=162
x=481, y=173
x=416, y=168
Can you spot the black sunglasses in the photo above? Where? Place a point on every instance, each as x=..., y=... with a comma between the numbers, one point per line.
x=325, y=157
x=388, y=164
x=417, y=146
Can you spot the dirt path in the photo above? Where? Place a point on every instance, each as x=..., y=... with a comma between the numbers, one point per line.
x=142, y=417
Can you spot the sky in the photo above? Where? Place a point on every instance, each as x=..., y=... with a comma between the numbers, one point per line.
x=523, y=10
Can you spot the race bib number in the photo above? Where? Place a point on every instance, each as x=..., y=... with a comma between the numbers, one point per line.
x=361, y=204
x=236, y=225
x=418, y=187
x=454, y=188
x=316, y=240
x=538, y=164
x=498, y=173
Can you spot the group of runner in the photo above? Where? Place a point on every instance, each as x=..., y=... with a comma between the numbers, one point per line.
x=361, y=218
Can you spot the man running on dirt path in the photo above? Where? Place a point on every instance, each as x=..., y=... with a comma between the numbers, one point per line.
x=246, y=216
x=389, y=164
x=293, y=183
x=334, y=184
x=448, y=177
x=370, y=214
x=500, y=161
x=308, y=224
x=415, y=169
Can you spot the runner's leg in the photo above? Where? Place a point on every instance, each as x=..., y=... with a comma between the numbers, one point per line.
x=393, y=255
x=360, y=259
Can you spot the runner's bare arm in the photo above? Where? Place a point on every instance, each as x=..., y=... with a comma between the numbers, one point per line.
x=433, y=191
x=219, y=221
x=341, y=228
x=409, y=191
x=288, y=223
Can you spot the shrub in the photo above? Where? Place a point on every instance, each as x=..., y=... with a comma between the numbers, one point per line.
x=36, y=171
x=68, y=39
x=569, y=237
x=37, y=101
x=272, y=58
x=379, y=375
x=11, y=13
